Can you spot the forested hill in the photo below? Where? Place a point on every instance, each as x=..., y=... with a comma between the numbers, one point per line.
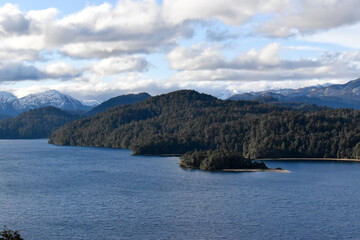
x=183, y=121
x=118, y=101
x=37, y=123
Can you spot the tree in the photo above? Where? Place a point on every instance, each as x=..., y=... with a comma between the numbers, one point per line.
x=8, y=234
x=356, y=151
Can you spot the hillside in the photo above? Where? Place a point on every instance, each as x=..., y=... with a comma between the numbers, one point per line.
x=118, y=101
x=37, y=123
x=183, y=121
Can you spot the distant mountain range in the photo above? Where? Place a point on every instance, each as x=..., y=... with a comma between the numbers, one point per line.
x=40, y=121
x=10, y=105
x=335, y=95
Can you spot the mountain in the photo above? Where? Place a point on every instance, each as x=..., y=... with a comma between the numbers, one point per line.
x=10, y=105
x=90, y=103
x=186, y=120
x=37, y=123
x=117, y=101
x=7, y=101
x=50, y=98
x=4, y=116
x=349, y=90
x=335, y=95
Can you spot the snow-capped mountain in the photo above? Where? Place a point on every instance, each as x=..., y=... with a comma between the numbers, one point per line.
x=7, y=97
x=90, y=103
x=7, y=101
x=50, y=98
x=333, y=95
x=12, y=106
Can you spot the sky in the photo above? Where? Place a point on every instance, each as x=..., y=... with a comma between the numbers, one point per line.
x=95, y=50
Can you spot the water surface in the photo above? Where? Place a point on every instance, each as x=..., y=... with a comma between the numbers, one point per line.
x=55, y=192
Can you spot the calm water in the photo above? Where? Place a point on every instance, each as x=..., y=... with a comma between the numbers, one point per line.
x=52, y=192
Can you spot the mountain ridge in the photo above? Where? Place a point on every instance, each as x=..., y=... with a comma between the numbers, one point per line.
x=335, y=95
x=10, y=105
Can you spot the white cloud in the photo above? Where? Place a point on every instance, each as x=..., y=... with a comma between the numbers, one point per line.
x=311, y=16
x=62, y=70
x=210, y=58
x=99, y=90
x=111, y=40
x=278, y=18
x=232, y=12
x=104, y=30
x=208, y=64
x=12, y=21
x=95, y=32
x=116, y=65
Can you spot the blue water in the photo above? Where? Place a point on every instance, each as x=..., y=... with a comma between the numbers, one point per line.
x=54, y=192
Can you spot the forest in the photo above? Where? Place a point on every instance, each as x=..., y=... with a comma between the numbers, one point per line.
x=186, y=120
x=37, y=123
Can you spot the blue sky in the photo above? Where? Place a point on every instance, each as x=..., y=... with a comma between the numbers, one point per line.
x=97, y=50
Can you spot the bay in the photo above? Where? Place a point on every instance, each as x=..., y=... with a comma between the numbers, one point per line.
x=57, y=192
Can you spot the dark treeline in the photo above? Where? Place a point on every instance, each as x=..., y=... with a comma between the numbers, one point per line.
x=37, y=123
x=218, y=159
x=185, y=121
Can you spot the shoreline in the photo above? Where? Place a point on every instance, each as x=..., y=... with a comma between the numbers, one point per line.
x=256, y=170
x=310, y=159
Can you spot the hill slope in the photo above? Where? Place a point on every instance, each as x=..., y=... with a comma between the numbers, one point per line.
x=37, y=123
x=118, y=101
x=184, y=121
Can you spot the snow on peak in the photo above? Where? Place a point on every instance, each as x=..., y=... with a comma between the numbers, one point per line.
x=50, y=98
x=90, y=103
x=7, y=97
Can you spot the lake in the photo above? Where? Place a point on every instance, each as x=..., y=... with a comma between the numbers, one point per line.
x=57, y=192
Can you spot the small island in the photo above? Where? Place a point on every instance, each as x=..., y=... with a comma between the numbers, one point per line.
x=220, y=160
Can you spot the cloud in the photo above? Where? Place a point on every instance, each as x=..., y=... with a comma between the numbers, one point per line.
x=274, y=18
x=12, y=21
x=110, y=43
x=95, y=89
x=22, y=34
x=311, y=16
x=104, y=30
x=19, y=71
x=13, y=71
x=210, y=58
x=98, y=31
x=62, y=70
x=116, y=65
x=232, y=12
x=208, y=64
